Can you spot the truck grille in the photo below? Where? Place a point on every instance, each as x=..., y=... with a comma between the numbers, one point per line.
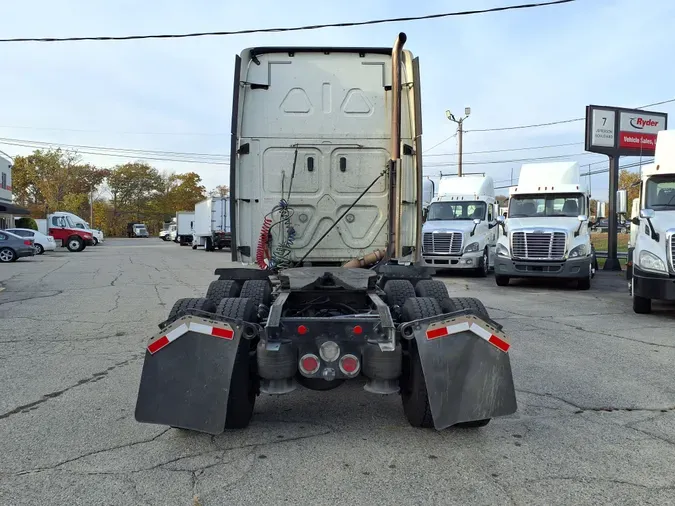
x=672, y=252
x=538, y=245
x=442, y=243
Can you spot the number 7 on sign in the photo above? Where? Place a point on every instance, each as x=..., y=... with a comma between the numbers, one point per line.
x=604, y=120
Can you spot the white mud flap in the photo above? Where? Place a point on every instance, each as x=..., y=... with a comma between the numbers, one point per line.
x=186, y=373
x=466, y=368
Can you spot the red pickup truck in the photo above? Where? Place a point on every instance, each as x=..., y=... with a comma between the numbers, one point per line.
x=62, y=228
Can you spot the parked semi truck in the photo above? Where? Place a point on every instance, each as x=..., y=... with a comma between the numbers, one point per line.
x=211, y=228
x=651, y=249
x=546, y=233
x=460, y=228
x=326, y=161
x=184, y=227
x=137, y=230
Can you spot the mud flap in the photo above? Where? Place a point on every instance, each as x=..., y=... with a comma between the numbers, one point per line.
x=186, y=374
x=466, y=367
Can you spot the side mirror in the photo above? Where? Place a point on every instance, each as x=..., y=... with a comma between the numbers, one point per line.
x=476, y=221
x=621, y=201
x=647, y=213
x=582, y=218
x=500, y=220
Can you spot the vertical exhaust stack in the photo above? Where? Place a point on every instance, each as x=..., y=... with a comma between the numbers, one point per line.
x=395, y=194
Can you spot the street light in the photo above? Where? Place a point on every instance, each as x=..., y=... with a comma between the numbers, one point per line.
x=460, y=132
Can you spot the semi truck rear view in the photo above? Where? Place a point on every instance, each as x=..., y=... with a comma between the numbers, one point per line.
x=546, y=233
x=326, y=210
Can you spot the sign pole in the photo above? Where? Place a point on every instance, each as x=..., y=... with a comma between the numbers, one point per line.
x=612, y=263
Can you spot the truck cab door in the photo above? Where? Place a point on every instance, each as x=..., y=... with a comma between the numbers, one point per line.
x=57, y=228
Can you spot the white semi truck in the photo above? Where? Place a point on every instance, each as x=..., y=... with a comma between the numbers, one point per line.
x=325, y=166
x=460, y=230
x=546, y=233
x=211, y=224
x=651, y=249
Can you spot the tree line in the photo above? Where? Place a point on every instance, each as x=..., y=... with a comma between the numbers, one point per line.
x=56, y=180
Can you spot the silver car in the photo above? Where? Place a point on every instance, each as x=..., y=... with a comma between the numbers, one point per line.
x=13, y=247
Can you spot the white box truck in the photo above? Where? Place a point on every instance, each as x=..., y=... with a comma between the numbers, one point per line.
x=460, y=228
x=546, y=233
x=651, y=248
x=211, y=227
x=184, y=227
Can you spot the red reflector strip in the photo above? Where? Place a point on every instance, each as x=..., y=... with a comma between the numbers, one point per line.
x=155, y=346
x=224, y=333
x=436, y=333
x=499, y=343
x=490, y=337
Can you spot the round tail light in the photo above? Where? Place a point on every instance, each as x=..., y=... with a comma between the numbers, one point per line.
x=349, y=365
x=309, y=364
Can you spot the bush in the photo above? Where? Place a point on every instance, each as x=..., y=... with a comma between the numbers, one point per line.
x=26, y=223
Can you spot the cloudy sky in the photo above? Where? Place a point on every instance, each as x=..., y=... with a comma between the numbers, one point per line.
x=513, y=68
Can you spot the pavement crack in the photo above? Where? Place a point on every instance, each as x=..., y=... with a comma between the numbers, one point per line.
x=52, y=395
x=590, y=479
x=32, y=296
x=607, y=409
x=112, y=283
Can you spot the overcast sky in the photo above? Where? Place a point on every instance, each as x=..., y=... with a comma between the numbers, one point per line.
x=512, y=68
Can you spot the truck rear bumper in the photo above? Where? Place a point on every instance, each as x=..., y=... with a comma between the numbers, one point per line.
x=653, y=286
x=571, y=269
x=465, y=261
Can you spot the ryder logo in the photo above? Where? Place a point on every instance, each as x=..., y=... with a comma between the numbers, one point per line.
x=640, y=123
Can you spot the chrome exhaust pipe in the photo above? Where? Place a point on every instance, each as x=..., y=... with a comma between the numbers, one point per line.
x=395, y=193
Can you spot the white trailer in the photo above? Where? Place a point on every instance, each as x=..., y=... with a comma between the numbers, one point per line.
x=460, y=227
x=546, y=233
x=651, y=250
x=184, y=227
x=211, y=227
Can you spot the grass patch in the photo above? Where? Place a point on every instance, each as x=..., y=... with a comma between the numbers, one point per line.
x=599, y=240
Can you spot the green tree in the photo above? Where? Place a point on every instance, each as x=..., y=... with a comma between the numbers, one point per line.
x=630, y=181
x=133, y=185
x=26, y=223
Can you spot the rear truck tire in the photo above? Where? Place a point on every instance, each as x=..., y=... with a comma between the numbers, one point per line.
x=258, y=290
x=483, y=265
x=413, y=386
x=7, y=255
x=75, y=244
x=244, y=384
x=585, y=283
x=502, y=280
x=641, y=305
x=39, y=250
x=452, y=304
x=192, y=306
x=222, y=289
x=398, y=291
x=432, y=288
x=209, y=244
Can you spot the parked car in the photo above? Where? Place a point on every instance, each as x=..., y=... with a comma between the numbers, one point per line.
x=41, y=241
x=13, y=247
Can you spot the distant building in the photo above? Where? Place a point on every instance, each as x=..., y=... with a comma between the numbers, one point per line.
x=8, y=211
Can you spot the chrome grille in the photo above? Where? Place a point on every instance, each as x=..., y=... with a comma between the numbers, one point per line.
x=442, y=243
x=672, y=252
x=538, y=245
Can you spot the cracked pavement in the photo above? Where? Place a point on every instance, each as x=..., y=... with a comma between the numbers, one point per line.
x=595, y=425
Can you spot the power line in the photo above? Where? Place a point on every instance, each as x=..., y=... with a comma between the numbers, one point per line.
x=514, y=160
x=528, y=148
x=291, y=29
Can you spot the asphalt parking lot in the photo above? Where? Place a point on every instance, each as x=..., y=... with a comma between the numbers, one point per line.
x=595, y=425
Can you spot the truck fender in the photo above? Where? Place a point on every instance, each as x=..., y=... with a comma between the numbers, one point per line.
x=466, y=367
x=187, y=371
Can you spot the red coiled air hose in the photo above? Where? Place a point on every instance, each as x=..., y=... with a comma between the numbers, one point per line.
x=262, y=243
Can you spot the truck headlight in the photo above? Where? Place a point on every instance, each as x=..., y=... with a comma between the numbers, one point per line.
x=474, y=246
x=579, y=251
x=649, y=261
x=502, y=250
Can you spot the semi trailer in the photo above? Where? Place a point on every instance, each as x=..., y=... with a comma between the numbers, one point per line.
x=184, y=227
x=326, y=207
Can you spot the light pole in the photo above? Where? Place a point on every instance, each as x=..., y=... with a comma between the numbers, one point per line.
x=460, y=132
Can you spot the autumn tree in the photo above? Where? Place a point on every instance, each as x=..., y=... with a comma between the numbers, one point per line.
x=630, y=181
x=221, y=190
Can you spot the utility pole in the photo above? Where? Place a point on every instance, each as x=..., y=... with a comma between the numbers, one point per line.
x=460, y=133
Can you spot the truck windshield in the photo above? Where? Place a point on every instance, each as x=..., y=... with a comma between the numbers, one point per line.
x=660, y=192
x=464, y=210
x=560, y=204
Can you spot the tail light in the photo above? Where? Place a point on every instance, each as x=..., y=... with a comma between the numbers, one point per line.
x=349, y=365
x=28, y=242
x=309, y=363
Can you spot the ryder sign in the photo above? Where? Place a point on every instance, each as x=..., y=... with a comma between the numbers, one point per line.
x=615, y=131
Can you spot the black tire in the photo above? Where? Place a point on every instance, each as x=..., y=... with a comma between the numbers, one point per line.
x=502, y=280
x=585, y=283
x=398, y=291
x=95, y=241
x=75, y=244
x=642, y=305
x=39, y=250
x=192, y=306
x=209, y=244
x=432, y=288
x=483, y=265
x=244, y=382
x=452, y=304
x=194, y=246
x=7, y=255
x=413, y=385
x=258, y=290
x=221, y=289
